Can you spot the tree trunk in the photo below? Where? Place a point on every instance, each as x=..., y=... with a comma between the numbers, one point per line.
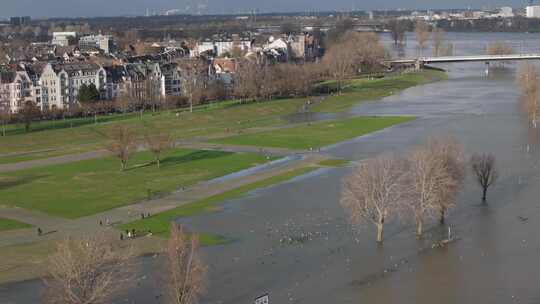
x=379, y=232
x=443, y=213
x=419, y=228
x=484, y=194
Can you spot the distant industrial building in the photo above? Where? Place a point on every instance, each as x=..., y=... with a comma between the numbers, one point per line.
x=63, y=38
x=101, y=42
x=16, y=21
x=533, y=11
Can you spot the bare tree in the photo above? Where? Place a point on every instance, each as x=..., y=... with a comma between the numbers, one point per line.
x=122, y=144
x=184, y=271
x=339, y=61
x=450, y=151
x=5, y=109
x=499, y=48
x=397, y=30
x=530, y=93
x=28, y=113
x=485, y=171
x=87, y=270
x=353, y=53
x=194, y=80
x=438, y=40
x=427, y=183
x=421, y=31
x=158, y=143
x=123, y=103
x=372, y=192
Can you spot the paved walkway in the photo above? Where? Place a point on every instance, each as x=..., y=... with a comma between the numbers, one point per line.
x=58, y=228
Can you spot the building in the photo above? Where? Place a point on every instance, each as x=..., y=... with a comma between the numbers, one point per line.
x=101, y=42
x=60, y=83
x=18, y=21
x=16, y=88
x=533, y=11
x=63, y=38
x=222, y=47
x=506, y=12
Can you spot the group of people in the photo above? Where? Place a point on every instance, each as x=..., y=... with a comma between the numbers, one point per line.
x=129, y=233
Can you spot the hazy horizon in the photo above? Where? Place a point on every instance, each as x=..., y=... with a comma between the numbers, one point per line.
x=99, y=8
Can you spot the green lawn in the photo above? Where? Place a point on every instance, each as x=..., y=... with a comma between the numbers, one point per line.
x=334, y=162
x=360, y=90
x=9, y=224
x=159, y=224
x=219, y=120
x=315, y=135
x=87, y=187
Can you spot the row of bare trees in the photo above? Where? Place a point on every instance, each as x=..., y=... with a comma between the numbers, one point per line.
x=422, y=33
x=421, y=186
x=123, y=142
x=96, y=270
x=352, y=54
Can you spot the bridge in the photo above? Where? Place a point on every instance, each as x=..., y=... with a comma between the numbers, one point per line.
x=419, y=62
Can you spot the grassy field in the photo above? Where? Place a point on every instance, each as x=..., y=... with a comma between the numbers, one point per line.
x=360, y=90
x=9, y=224
x=159, y=224
x=87, y=187
x=315, y=135
x=229, y=118
x=334, y=162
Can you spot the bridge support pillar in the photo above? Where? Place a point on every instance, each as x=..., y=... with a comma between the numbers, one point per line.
x=418, y=65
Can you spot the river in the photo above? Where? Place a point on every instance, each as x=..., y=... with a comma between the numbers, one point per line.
x=294, y=242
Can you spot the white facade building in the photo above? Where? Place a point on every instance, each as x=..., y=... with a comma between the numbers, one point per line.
x=533, y=11
x=16, y=88
x=506, y=12
x=102, y=42
x=62, y=38
x=219, y=48
x=60, y=84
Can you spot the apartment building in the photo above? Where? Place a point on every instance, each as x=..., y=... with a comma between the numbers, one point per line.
x=16, y=88
x=60, y=83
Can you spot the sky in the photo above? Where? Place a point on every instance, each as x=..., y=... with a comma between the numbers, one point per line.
x=92, y=8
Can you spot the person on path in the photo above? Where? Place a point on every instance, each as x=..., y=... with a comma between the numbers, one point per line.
x=39, y=231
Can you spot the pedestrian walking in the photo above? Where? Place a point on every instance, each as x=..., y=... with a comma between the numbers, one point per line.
x=133, y=232
x=100, y=222
x=142, y=216
x=39, y=231
x=121, y=236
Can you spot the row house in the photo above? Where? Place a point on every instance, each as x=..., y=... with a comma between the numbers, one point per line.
x=16, y=88
x=60, y=83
